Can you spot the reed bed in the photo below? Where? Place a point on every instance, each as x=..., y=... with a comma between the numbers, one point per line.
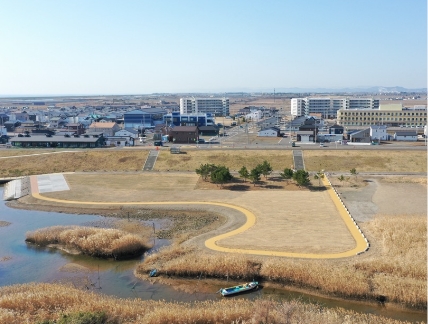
x=34, y=303
x=4, y=223
x=99, y=242
x=396, y=273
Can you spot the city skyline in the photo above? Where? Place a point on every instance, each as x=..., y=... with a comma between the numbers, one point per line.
x=137, y=47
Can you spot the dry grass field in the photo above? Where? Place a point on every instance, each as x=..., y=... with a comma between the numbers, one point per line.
x=17, y=152
x=106, y=160
x=366, y=161
x=37, y=303
x=133, y=160
x=234, y=160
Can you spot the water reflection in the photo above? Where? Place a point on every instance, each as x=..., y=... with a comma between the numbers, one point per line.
x=30, y=263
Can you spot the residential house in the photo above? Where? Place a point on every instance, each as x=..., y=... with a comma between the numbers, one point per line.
x=335, y=129
x=209, y=130
x=378, y=133
x=127, y=132
x=107, y=128
x=184, y=134
x=409, y=136
x=119, y=141
x=269, y=132
x=76, y=128
x=305, y=136
x=360, y=136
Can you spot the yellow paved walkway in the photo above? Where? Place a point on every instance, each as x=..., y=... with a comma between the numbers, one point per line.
x=361, y=244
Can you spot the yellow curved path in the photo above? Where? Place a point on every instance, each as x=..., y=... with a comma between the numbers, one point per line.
x=361, y=244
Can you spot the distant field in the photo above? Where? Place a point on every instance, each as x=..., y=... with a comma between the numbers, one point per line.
x=107, y=160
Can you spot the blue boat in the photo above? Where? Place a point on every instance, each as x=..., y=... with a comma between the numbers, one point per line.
x=239, y=289
x=153, y=273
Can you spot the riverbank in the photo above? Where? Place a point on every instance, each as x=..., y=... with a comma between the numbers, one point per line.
x=375, y=276
x=55, y=300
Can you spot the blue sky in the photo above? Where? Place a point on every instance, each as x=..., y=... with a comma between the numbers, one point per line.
x=139, y=47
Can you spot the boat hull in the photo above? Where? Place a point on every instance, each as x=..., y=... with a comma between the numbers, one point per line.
x=239, y=289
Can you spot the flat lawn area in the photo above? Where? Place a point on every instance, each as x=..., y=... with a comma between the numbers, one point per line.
x=234, y=160
x=125, y=187
x=365, y=161
x=108, y=160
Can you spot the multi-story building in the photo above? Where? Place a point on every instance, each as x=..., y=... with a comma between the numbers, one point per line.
x=328, y=107
x=145, y=118
x=214, y=106
x=199, y=119
x=298, y=107
x=389, y=115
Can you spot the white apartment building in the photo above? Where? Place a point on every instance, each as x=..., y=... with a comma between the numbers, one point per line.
x=215, y=106
x=297, y=107
x=328, y=107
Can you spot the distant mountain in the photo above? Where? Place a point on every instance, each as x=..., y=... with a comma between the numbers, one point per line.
x=377, y=89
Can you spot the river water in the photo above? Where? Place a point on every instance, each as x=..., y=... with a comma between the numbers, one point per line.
x=29, y=263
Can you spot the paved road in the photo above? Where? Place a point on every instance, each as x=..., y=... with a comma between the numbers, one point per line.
x=360, y=246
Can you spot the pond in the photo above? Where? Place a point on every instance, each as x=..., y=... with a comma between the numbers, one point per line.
x=29, y=263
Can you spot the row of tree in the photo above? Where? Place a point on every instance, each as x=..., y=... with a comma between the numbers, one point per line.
x=220, y=174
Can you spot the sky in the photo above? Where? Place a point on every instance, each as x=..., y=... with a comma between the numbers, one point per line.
x=101, y=47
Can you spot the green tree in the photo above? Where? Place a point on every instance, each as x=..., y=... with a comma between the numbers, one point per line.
x=205, y=170
x=265, y=168
x=341, y=178
x=301, y=177
x=243, y=173
x=221, y=175
x=287, y=174
x=254, y=175
x=354, y=172
x=318, y=176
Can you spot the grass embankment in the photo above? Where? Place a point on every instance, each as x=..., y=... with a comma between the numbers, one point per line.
x=395, y=273
x=32, y=303
x=133, y=160
x=366, y=160
x=329, y=160
x=105, y=160
x=99, y=242
x=234, y=160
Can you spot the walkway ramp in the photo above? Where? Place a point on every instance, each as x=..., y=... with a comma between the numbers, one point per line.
x=299, y=163
x=52, y=182
x=151, y=160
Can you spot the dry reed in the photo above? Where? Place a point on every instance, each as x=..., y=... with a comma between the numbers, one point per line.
x=32, y=303
x=397, y=273
x=100, y=242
